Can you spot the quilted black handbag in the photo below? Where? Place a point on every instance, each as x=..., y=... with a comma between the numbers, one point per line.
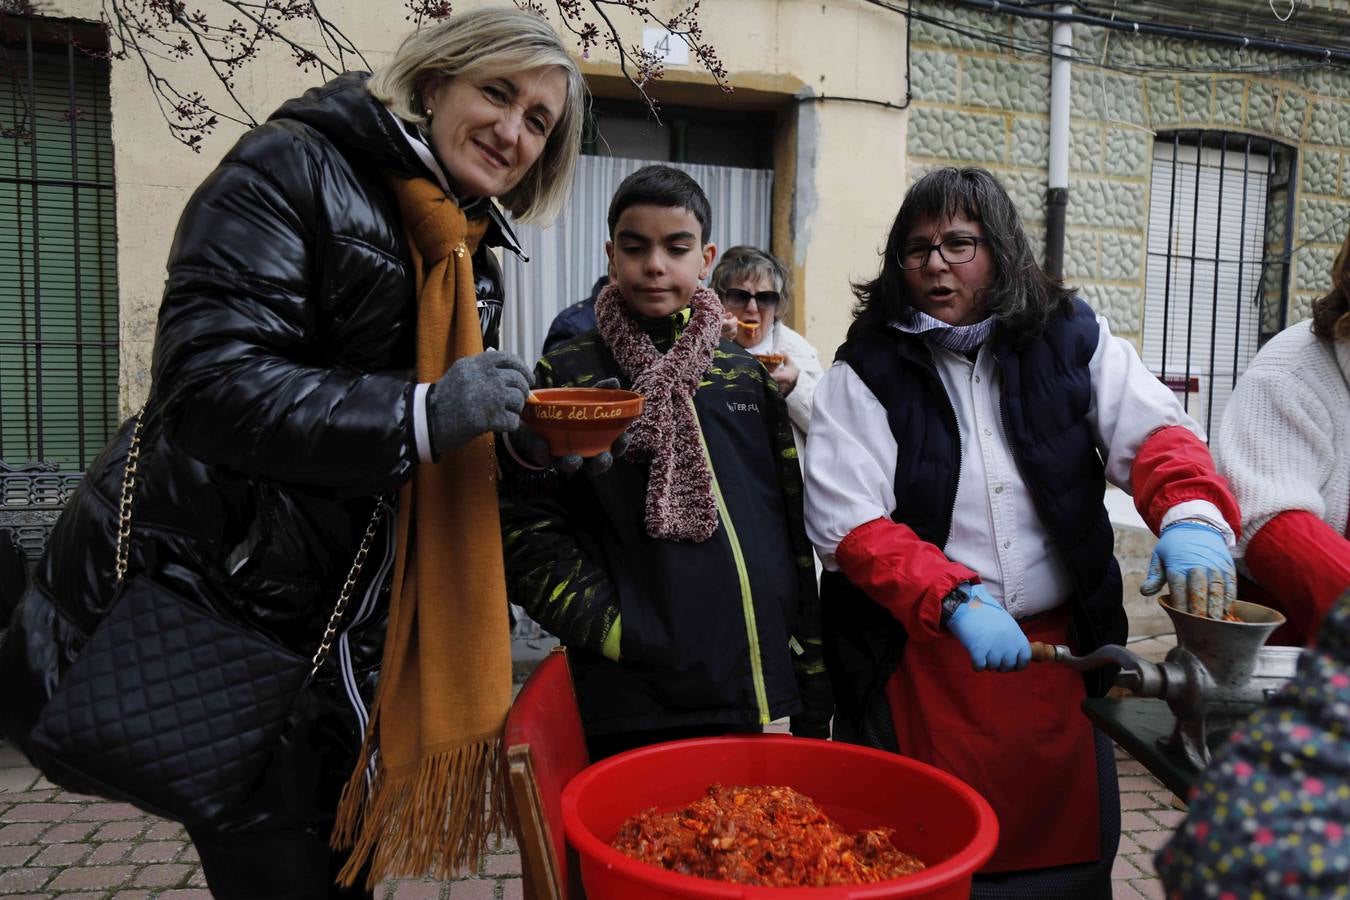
x=168, y=707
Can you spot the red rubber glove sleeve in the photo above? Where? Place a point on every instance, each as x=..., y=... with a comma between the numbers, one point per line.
x=1173, y=466
x=904, y=573
x=1300, y=560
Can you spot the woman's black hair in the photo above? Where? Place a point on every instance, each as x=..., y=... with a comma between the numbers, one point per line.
x=1022, y=296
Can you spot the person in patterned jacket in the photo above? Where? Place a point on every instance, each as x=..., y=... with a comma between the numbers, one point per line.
x=680, y=580
x=1270, y=817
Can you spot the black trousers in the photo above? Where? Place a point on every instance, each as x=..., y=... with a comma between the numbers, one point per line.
x=273, y=865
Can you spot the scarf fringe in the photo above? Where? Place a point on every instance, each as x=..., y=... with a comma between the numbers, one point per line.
x=436, y=822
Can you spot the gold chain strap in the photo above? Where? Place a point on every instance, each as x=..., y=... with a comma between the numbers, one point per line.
x=128, y=490
x=326, y=643
x=124, y=538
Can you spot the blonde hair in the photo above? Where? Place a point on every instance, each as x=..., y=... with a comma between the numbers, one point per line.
x=488, y=43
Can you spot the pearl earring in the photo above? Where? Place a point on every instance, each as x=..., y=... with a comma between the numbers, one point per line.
x=428, y=112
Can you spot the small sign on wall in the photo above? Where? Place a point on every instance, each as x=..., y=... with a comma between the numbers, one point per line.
x=1181, y=383
x=667, y=47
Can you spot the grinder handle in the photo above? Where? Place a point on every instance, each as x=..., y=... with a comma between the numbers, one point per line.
x=1105, y=655
x=1042, y=652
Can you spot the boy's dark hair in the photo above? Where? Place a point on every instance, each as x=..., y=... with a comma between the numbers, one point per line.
x=1022, y=297
x=666, y=187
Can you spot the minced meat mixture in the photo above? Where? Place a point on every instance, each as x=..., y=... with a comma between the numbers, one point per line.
x=766, y=836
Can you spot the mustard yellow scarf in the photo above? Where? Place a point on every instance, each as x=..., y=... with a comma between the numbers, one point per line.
x=445, y=679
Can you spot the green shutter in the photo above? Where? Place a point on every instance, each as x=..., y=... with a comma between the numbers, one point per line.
x=58, y=258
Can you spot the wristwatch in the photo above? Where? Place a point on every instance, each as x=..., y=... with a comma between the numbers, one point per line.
x=959, y=594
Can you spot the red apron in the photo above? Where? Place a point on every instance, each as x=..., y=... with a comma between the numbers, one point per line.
x=1019, y=738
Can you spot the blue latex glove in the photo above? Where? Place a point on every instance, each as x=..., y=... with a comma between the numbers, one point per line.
x=991, y=636
x=1193, y=561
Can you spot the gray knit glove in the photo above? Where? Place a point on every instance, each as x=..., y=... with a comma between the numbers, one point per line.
x=534, y=448
x=479, y=393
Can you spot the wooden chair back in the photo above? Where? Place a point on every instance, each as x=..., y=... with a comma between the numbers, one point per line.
x=545, y=747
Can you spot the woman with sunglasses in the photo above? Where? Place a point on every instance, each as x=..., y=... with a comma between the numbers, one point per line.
x=960, y=448
x=756, y=293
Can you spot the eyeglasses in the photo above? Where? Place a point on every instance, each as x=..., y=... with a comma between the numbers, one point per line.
x=735, y=298
x=954, y=250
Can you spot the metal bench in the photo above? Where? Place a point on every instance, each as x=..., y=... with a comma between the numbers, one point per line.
x=32, y=497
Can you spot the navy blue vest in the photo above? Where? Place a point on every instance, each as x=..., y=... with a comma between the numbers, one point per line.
x=1046, y=393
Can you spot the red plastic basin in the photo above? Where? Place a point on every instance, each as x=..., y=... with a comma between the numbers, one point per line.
x=936, y=817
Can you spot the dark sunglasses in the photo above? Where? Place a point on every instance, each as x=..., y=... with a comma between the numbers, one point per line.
x=735, y=298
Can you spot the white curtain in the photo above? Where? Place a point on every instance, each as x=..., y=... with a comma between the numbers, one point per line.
x=567, y=257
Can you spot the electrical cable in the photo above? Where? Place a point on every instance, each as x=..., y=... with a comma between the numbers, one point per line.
x=820, y=98
x=1015, y=8
x=906, y=11
x=1311, y=27
x=1000, y=39
x=1328, y=57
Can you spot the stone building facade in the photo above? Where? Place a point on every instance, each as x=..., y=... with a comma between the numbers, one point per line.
x=982, y=94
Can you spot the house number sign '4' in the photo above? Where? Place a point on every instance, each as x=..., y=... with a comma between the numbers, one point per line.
x=667, y=47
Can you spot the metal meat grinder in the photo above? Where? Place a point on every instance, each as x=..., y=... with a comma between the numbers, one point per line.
x=1216, y=675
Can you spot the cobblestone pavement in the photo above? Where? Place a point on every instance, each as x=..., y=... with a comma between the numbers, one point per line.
x=59, y=845
x=54, y=844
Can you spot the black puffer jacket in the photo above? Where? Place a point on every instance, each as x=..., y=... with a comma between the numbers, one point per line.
x=280, y=411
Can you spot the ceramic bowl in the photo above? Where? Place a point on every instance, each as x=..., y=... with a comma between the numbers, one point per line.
x=771, y=361
x=579, y=420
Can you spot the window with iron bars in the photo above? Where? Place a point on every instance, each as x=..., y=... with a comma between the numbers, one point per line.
x=58, y=245
x=1217, y=279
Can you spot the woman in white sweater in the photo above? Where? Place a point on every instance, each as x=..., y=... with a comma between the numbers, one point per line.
x=755, y=292
x=1284, y=446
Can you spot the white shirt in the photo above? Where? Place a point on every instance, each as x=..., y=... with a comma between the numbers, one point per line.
x=849, y=473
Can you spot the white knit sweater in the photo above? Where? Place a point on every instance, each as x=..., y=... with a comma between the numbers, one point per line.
x=1284, y=443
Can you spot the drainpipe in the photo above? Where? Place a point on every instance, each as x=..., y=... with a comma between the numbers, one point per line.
x=1057, y=193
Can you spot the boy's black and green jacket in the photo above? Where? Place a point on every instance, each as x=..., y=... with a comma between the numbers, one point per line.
x=726, y=631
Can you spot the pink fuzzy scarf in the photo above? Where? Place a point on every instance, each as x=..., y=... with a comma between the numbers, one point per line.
x=680, y=504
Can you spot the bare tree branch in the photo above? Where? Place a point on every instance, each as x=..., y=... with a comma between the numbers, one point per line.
x=684, y=26
x=162, y=35
x=591, y=23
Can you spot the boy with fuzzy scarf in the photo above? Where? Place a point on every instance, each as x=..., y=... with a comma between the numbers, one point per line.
x=680, y=579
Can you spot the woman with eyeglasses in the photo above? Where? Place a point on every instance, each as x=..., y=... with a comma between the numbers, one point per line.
x=755, y=293
x=960, y=448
